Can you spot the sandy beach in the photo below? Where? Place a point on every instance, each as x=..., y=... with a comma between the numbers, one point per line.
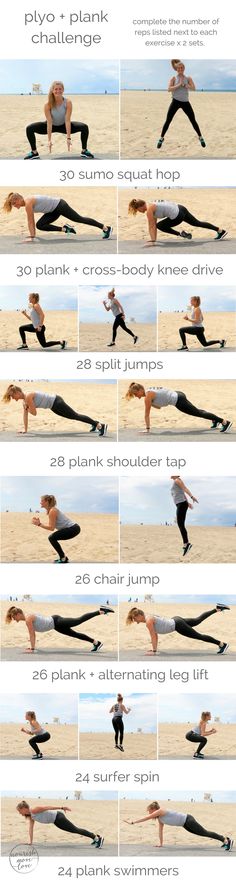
x=143, y=114
x=97, y=816
x=96, y=400
x=102, y=627
x=62, y=745
x=59, y=324
x=95, y=337
x=150, y=543
x=100, y=112
x=216, y=816
x=172, y=743
x=97, y=542
x=220, y=625
x=217, y=325
x=217, y=397
x=101, y=746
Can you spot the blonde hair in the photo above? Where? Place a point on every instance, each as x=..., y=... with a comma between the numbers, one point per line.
x=175, y=62
x=51, y=97
x=197, y=299
x=120, y=697
x=135, y=205
x=31, y=714
x=10, y=200
x=22, y=804
x=132, y=615
x=12, y=388
x=154, y=806
x=51, y=501
x=35, y=296
x=112, y=292
x=13, y=610
x=133, y=389
x=204, y=716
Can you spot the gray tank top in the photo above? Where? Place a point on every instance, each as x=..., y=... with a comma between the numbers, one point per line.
x=165, y=209
x=115, y=309
x=37, y=732
x=58, y=113
x=42, y=624
x=45, y=204
x=117, y=710
x=62, y=521
x=181, y=94
x=199, y=323
x=178, y=494
x=45, y=817
x=164, y=625
x=34, y=316
x=196, y=729
x=44, y=400
x=163, y=397
x=173, y=818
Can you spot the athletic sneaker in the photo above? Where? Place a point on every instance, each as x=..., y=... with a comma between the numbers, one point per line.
x=223, y=342
x=160, y=142
x=226, y=426
x=106, y=609
x=68, y=230
x=32, y=156
x=96, y=647
x=198, y=756
x=62, y=561
x=223, y=648
x=183, y=348
x=202, y=141
x=93, y=429
x=37, y=756
x=63, y=345
x=121, y=749
x=228, y=845
x=135, y=339
x=98, y=842
x=214, y=425
x=221, y=608
x=107, y=233
x=185, y=235
x=220, y=235
x=87, y=155
x=103, y=430
x=187, y=548
x=23, y=347
x=112, y=344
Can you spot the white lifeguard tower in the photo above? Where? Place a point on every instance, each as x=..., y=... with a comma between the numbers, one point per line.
x=207, y=797
x=148, y=597
x=37, y=89
x=77, y=794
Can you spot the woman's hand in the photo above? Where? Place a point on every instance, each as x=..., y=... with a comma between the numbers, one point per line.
x=65, y=808
x=68, y=143
x=50, y=146
x=153, y=652
x=29, y=651
x=186, y=317
x=130, y=822
x=36, y=520
x=21, y=432
x=195, y=500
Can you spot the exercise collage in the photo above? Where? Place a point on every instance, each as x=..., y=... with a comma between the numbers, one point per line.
x=117, y=439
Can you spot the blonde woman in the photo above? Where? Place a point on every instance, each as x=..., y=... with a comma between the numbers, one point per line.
x=180, y=86
x=36, y=623
x=58, y=111
x=199, y=734
x=36, y=325
x=38, y=400
x=52, y=208
x=158, y=625
x=197, y=327
x=54, y=814
x=161, y=397
x=118, y=709
x=38, y=734
x=163, y=817
x=116, y=309
x=171, y=215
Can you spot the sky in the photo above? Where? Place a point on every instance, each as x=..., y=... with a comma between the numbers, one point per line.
x=91, y=796
x=219, y=75
x=180, y=796
x=180, y=600
x=94, y=712
x=51, y=297
x=83, y=77
x=69, y=599
x=84, y=494
x=46, y=706
x=222, y=298
x=138, y=302
x=188, y=708
x=150, y=502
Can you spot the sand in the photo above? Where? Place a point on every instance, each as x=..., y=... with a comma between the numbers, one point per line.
x=216, y=396
x=143, y=114
x=100, y=112
x=221, y=626
x=214, y=205
x=59, y=324
x=217, y=816
x=149, y=543
x=95, y=337
x=23, y=542
x=96, y=816
x=172, y=743
x=98, y=203
x=217, y=325
x=101, y=746
x=96, y=400
x=63, y=743
x=103, y=627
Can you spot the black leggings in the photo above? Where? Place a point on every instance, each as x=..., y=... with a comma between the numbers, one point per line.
x=41, y=129
x=63, y=208
x=118, y=726
x=39, y=739
x=196, y=739
x=61, y=408
x=167, y=224
x=185, y=627
x=63, y=535
x=39, y=335
x=200, y=334
x=65, y=625
x=192, y=826
x=119, y=321
x=185, y=106
x=183, y=405
x=181, y=513
x=63, y=824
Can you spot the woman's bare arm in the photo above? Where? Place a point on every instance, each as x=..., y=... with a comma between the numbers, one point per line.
x=29, y=208
x=153, y=634
x=47, y=111
x=52, y=516
x=152, y=225
x=68, y=122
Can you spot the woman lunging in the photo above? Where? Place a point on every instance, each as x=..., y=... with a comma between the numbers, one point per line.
x=36, y=316
x=197, y=327
x=116, y=308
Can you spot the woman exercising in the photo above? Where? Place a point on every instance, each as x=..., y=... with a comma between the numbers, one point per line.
x=116, y=308
x=179, y=87
x=42, y=624
x=172, y=214
x=178, y=819
x=38, y=734
x=198, y=734
x=33, y=401
x=159, y=397
x=184, y=626
x=197, y=327
x=58, y=111
x=61, y=526
x=180, y=494
x=118, y=709
x=36, y=316
x=54, y=814
x=52, y=208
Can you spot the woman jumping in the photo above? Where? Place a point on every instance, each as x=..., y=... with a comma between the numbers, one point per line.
x=180, y=494
x=36, y=316
x=172, y=214
x=42, y=624
x=65, y=527
x=34, y=401
x=159, y=397
x=54, y=814
x=198, y=734
x=38, y=734
x=178, y=819
x=58, y=111
x=52, y=207
x=116, y=308
x=197, y=327
x=179, y=87
x=184, y=626
x=118, y=709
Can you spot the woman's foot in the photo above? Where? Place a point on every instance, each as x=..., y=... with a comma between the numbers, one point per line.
x=185, y=235
x=33, y=155
x=220, y=234
x=135, y=339
x=23, y=347
x=186, y=548
x=184, y=347
x=63, y=344
x=65, y=559
x=106, y=610
x=102, y=429
x=223, y=647
x=121, y=748
x=223, y=342
x=107, y=232
x=225, y=426
x=96, y=647
x=98, y=841
x=228, y=844
x=160, y=142
x=85, y=154
x=37, y=756
x=221, y=608
x=68, y=230
x=199, y=756
x=214, y=425
x=112, y=344
x=202, y=141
